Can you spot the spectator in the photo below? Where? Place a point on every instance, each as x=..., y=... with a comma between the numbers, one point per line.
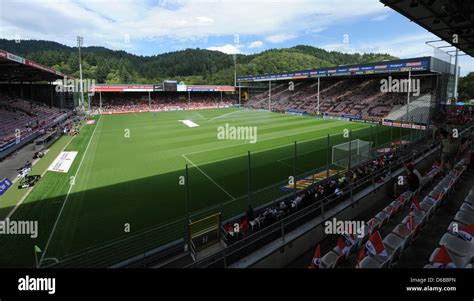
x=409, y=182
x=283, y=206
x=449, y=147
x=250, y=214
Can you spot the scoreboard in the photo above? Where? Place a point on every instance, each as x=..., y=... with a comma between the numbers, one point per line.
x=170, y=85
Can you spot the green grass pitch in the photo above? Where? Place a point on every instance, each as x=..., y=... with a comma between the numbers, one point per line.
x=129, y=166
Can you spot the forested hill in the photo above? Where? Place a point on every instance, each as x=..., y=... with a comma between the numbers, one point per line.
x=193, y=66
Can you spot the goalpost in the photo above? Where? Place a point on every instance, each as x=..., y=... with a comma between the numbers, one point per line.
x=354, y=151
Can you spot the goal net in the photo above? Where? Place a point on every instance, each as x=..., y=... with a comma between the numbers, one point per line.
x=352, y=152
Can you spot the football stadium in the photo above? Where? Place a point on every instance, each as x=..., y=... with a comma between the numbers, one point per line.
x=356, y=165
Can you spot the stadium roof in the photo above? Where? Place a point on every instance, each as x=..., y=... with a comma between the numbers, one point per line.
x=443, y=18
x=420, y=64
x=15, y=68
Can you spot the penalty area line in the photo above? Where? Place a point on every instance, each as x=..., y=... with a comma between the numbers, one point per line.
x=224, y=115
x=211, y=179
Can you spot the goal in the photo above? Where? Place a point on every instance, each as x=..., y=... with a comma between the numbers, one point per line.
x=352, y=152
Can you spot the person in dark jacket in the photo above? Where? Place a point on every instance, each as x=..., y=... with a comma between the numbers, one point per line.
x=250, y=214
x=409, y=182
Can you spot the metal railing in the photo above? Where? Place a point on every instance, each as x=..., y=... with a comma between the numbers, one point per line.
x=280, y=229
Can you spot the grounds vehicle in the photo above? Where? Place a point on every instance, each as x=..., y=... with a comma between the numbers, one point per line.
x=38, y=155
x=29, y=181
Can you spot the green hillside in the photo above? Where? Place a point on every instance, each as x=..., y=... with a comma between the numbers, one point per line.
x=193, y=66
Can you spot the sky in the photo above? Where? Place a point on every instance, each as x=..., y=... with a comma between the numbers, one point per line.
x=150, y=27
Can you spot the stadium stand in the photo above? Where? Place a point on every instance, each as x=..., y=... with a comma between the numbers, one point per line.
x=117, y=103
x=327, y=191
x=373, y=251
x=357, y=97
x=455, y=247
x=420, y=213
x=24, y=117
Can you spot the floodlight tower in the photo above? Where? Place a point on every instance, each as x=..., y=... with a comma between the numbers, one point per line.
x=235, y=75
x=456, y=75
x=235, y=69
x=80, y=41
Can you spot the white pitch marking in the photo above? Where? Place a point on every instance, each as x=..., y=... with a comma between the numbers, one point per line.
x=184, y=156
x=200, y=116
x=225, y=115
x=53, y=259
x=68, y=193
x=277, y=137
x=31, y=188
x=259, y=151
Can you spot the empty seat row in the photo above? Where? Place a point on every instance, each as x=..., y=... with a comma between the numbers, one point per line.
x=456, y=246
x=403, y=234
x=338, y=254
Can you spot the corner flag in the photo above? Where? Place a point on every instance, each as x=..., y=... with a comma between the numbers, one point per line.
x=37, y=249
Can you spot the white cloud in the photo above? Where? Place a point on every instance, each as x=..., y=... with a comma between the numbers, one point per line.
x=177, y=20
x=203, y=19
x=228, y=49
x=380, y=17
x=256, y=44
x=279, y=38
x=341, y=47
x=402, y=46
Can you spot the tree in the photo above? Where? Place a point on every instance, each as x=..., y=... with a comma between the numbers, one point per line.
x=466, y=87
x=194, y=66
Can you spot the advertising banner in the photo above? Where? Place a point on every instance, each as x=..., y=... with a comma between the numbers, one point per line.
x=63, y=162
x=5, y=184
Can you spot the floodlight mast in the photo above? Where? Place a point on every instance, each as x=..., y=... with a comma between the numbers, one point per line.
x=456, y=76
x=80, y=41
x=235, y=69
x=234, y=56
x=319, y=82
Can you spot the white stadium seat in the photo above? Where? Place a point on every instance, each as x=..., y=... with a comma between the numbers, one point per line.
x=459, y=261
x=465, y=207
x=404, y=233
x=464, y=218
x=457, y=245
x=369, y=263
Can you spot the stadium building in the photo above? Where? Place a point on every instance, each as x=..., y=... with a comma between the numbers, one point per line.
x=359, y=136
x=168, y=96
x=30, y=102
x=358, y=92
x=330, y=181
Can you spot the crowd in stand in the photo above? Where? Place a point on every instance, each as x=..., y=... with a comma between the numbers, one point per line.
x=166, y=101
x=459, y=115
x=325, y=190
x=20, y=117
